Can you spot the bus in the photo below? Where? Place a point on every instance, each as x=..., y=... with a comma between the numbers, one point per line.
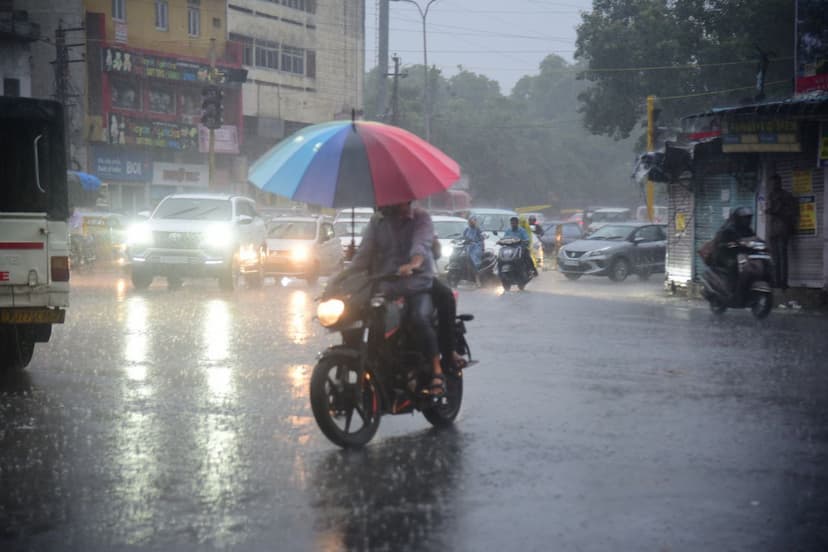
x=34, y=234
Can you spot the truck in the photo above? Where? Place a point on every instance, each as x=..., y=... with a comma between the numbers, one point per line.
x=34, y=233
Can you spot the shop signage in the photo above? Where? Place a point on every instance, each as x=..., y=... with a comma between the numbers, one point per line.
x=121, y=34
x=180, y=174
x=225, y=139
x=811, y=46
x=802, y=184
x=751, y=134
x=822, y=161
x=129, y=130
x=118, y=60
x=111, y=165
x=807, y=224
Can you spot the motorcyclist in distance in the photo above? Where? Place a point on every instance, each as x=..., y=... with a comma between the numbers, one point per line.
x=474, y=235
x=737, y=227
x=516, y=231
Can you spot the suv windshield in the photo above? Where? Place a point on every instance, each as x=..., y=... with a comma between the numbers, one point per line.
x=611, y=232
x=449, y=228
x=187, y=208
x=343, y=227
x=293, y=230
x=493, y=222
x=610, y=216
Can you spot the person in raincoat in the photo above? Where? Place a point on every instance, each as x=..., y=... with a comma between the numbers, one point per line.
x=523, y=223
x=473, y=234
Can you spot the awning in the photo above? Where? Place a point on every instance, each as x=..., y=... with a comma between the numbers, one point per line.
x=89, y=182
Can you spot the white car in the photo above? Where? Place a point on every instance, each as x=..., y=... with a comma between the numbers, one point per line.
x=302, y=247
x=198, y=235
x=347, y=230
x=447, y=229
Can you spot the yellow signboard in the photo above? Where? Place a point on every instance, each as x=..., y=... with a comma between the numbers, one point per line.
x=802, y=183
x=681, y=223
x=807, y=225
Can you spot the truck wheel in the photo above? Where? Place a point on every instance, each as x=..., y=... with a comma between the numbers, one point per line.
x=229, y=279
x=16, y=349
x=141, y=280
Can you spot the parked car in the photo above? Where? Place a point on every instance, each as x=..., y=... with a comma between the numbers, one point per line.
x=198, y=235
x=616, y=250
x=302, y=247
x=447, y=228
x=557, y=233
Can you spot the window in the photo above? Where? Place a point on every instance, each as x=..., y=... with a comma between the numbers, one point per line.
x=245, y=208
x=267, y=54
x=216, y=23
x=310, y=60
x=119, y=10
x=11, y=87
x=650, y=233
x=293, y=60
x=161, y=100
x=246, y=44
x=125, y=94
x=162, y=22
x=193, y=20
x=304, y=5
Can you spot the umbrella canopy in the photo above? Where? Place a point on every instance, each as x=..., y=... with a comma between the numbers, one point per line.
x=347, y=163
x=89, y=182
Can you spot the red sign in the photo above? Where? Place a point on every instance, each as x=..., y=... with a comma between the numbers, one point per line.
x=4, y=276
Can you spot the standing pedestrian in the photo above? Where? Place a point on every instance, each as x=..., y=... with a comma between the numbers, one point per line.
x=782, y=208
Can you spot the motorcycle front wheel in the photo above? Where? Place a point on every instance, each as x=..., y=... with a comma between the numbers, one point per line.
x=761, y=305
x=444, y=413
x=346, y=409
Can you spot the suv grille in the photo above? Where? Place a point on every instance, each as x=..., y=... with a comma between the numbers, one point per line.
x=177, y=240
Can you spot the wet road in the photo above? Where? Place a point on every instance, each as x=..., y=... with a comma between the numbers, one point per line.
x=602, y=417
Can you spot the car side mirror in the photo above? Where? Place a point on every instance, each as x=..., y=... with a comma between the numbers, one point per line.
x=494, y=232
x=244, y=219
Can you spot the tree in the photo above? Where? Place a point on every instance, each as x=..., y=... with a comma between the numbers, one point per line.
x=700, y=52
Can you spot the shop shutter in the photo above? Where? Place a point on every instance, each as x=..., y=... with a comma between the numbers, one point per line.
x=805, y=253
x=716, y=195
x=680, y=250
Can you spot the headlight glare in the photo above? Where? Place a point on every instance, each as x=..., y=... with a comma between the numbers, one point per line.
x=299, y=253
x=139, y=234
x=329, y=312
x=218, y=236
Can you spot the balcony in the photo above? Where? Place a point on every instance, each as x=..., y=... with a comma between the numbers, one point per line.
x=15, y=25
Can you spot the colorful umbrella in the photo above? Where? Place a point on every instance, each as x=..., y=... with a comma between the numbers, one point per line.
x=347, y=163
x=88, y=181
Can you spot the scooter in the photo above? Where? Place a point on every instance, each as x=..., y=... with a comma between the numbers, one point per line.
x=753, y=282
x=512, y=266
x=460, y=266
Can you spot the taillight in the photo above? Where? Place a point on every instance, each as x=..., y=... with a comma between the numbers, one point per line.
x=60, y=269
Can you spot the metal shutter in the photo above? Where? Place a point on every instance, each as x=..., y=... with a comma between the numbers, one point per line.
x=805, y=253
x=680, y=250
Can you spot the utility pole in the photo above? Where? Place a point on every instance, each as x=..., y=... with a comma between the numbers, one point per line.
x=382, y=89
x=650, y=191
x=211, y=155
x=61, y=67
x=395, y=96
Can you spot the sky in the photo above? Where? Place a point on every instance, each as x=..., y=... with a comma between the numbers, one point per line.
x=502, y=39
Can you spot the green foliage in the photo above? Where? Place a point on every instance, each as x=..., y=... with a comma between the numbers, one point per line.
x=527, y=148
x=686, y=48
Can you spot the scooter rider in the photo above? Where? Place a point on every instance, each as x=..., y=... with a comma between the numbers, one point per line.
x=515, y=231
x=474, y=236
x=737, y=227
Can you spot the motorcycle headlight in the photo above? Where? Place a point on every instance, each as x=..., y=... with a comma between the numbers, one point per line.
x=218, y=236
x=139, y=234
x=299, y=253
x=329, y=312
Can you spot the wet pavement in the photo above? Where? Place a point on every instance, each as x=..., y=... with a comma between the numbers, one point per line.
x=602, y=417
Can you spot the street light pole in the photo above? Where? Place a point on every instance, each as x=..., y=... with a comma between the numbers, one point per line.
x=426, y=102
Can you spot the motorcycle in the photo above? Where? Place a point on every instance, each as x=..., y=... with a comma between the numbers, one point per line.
x=377, y=369
x=752, y=288
x=460, y=266
x=512, y=267
x=82, y=252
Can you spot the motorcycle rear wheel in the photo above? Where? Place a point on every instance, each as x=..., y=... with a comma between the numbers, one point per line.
x=336, y=395
x=444, y=414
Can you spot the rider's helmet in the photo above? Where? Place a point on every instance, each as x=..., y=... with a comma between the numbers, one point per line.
x=533, y=219
x=742, y=218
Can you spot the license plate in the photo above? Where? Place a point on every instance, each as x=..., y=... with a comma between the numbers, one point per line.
x=570, y=263
x=32, y=316
x=174, y=260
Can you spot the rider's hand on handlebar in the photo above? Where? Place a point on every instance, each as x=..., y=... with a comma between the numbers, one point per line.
x=405, y=270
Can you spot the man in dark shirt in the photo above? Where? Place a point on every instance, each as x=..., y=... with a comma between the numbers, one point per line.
x=782, y=207
x=400, y=241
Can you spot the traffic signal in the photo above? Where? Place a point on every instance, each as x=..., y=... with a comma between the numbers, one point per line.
x=212, y=110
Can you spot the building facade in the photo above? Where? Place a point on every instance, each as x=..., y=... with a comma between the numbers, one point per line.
x=148, y=64
x=305, y=62
x=17, y=33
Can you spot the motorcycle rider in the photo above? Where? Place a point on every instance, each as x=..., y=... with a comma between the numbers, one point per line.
x=516, y=231
x=474, y=235
x=400, y=241
x=737, y=227
x=535, y=226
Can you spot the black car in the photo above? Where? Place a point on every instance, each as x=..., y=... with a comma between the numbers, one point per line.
x=558, y=233
x=616, y=250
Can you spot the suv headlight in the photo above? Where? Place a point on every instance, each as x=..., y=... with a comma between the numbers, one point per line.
x=139, y=234
x=329, y=312
x=218, y=236
x=299, y=253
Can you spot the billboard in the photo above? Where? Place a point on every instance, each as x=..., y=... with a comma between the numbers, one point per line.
x=811, y=46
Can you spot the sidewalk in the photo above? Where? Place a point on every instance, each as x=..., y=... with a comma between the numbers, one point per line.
x=795, y=299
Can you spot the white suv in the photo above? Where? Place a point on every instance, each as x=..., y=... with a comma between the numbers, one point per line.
x=212, y=235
